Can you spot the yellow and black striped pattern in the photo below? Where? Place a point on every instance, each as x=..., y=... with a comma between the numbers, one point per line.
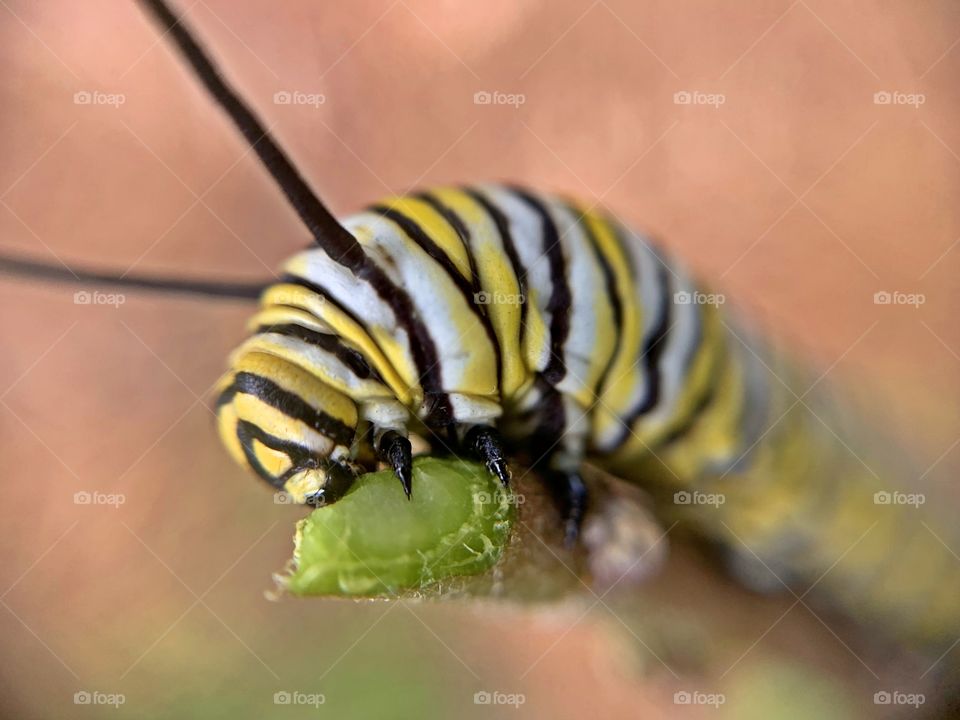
x=579, y=340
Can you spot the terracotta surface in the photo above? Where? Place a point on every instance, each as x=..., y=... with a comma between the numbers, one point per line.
x=798, y=196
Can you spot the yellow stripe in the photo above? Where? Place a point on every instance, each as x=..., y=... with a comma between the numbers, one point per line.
x=281, y=315
x=359, y=390
x=625, y=374
x=401, y=376
x=227, y=424
x=275, y=462
x=436, y=228
x=297, y=381
x=497, y=278
x=438, y=288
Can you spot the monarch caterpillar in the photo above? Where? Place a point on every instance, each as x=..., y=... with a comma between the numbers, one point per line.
x=429, y=313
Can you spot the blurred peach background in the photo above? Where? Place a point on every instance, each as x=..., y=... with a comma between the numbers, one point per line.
x=783, y=182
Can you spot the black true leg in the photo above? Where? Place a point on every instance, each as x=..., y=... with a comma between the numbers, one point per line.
x=484, y=442
x=570, y=493
x=394, y=450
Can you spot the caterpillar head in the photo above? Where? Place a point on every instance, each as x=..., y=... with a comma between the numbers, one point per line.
x=293, y=430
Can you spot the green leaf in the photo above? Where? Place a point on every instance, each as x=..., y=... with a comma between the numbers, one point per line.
x=375, y=542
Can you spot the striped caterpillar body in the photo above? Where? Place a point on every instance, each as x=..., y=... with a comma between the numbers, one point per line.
x=499, y=322
x=577, y=339
x=523, y=312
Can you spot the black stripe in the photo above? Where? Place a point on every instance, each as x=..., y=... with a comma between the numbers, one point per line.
x=299, y=456
x=613, y=294
x=551, y=418
x=650, y=354
x=416, y=233
x=703, y=402
x=226, y=396
x=21, y=267
x=708, y=393
x=325, y=295
x=463, y=232
x=656, y=343
x=423, y=349
x=294, y=406
x=331, y=343
x=509, y=247
x=455, y=221
x=653, y=366
x=560, y=297
x=460, y=227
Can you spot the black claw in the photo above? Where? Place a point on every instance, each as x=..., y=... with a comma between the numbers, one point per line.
x=485, y=443
x=394, y=449
x=570, y=493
